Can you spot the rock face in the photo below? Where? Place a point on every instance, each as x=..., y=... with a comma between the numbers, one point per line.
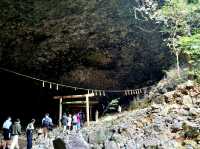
x=172, y=124
x=87, y=42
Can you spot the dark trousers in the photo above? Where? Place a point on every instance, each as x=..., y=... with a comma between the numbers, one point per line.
x=29, y=136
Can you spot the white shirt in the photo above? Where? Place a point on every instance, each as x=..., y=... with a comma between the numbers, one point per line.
x=69, y=121
x=30, y=126
x=7, y=124
x=75, y=119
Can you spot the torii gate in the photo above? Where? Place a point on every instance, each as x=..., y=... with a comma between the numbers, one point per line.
x=87, y=102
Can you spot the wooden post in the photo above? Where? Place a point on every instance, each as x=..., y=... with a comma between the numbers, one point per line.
x=97, y=115
x=60, y=111
x=90, y=112
x=87, y=110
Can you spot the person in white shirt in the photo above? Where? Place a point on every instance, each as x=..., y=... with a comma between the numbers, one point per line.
x=119, y=109
x=29, y=133
x=69, y=122
x=7, y=132
x=74, y=122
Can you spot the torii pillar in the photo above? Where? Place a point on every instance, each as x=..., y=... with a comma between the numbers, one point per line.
x=60, y=111
x=88, y=109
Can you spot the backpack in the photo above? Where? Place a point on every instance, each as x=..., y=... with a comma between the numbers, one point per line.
x=45, y=122
x=64, y=120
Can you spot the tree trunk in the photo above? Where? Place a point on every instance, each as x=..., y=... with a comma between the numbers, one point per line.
x=190, y=76
x=177, y=64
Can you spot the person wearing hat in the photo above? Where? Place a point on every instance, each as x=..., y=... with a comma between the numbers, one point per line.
x=16, y=131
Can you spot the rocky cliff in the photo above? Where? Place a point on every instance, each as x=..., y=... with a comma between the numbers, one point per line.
x=90, y=43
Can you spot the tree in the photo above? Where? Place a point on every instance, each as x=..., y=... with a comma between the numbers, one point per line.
x=172, y=15
x=175, y=26
x=178, y=19
x=191, y=47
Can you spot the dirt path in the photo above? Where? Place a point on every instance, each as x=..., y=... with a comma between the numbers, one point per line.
x=22, y=142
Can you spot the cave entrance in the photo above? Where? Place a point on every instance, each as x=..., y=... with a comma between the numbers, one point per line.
x=77, y=103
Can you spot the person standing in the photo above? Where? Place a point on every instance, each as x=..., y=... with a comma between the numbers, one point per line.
x=82, y=117
x=78, y=121
x=29, y=133
x=6, y=132
x=69, y=122
x=74, y=122
x=119, y=109
x=46, y=124
x=64, y=121
x=16, y=131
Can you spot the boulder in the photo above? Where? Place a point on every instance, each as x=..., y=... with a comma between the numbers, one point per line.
x=176, y=126
x=180, y=87
x=179, y=100
x=155, y=108
x=111, y=145
x=169, y=94
x=59, y=144
x=194, y=111
x=118, y=138
x=187, y=100
x=198, y=139
x=189, y=84
x=131, y=145
x=76, y=141
x=190, y=144
x=98, y=137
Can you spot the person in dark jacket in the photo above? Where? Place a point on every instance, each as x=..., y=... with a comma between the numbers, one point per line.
x=16, y=131
x=64, y=121
x=29, y=133
x=47, y=124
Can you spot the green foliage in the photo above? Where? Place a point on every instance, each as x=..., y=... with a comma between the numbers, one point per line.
x=189, y=131
x=191, y=47
x=175, y=14
x=181, y=25
x=192, y=1
x=112, y=106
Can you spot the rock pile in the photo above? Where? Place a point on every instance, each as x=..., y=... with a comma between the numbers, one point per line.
x=59, y=140
x=173, y=123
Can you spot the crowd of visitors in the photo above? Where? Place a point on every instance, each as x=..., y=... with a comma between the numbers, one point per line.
x=74, y=122
x=12, y=131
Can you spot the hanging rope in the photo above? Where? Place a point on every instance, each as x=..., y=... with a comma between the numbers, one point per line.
x=95, y=91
